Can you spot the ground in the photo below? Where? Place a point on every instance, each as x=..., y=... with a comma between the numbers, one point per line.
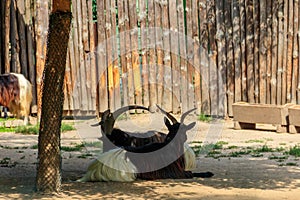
x=241, y=170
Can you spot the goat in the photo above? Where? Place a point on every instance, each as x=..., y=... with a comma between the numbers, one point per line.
x=16, y=95
x=152, y=161
x=115, y=137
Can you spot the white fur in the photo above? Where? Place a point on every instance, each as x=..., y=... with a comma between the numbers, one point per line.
x=22, y=108
x=113, y=166
x=189, y=158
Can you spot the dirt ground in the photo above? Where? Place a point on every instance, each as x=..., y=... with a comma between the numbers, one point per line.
x=243, y=177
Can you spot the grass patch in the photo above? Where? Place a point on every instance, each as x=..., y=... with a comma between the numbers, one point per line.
x=93, y=144
x=204, y=118
x=85, y=155
x=7, y=129
x=34, y=130
x=263, y=149
x=34, y=146
x=78, y=147
x=254, y=141
x=294, y=151
x=233, y=147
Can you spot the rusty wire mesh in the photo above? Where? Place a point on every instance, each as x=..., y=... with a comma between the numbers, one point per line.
x=49, y=159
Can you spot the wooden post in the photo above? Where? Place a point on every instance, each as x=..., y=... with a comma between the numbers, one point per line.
x=243, y=49
x=7, y=36
x=295, y=52
x=196, y=55
x=284, y=58
x=167, y=93
x=122, y=20
x=268, y=43
x=152, y=54
x=144, y=50
x=229, y=54
x=290, y=51
x=101, y=61
x=280, y=51
x=221, y=57
x=41, y=28
x=190, y=54
x=183, y=57
x=250, y=49
x=263, y=52
x=237, y=51
x=256, y=49
x=204, y=68
x=159, y=51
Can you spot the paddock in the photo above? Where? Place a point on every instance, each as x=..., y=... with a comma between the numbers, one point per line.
x=246, y=176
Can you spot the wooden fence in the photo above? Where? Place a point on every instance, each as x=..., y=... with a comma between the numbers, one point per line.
x=179, y=54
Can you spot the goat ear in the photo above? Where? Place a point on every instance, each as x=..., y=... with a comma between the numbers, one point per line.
x=167, y=122
x=191, y=125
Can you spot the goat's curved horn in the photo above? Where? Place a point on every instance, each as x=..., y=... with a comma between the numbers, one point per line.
x=120, y=111
x=168, y=115
x=183, y=116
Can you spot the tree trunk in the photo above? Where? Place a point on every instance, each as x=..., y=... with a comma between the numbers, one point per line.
x=6, y=36
x=49, y=158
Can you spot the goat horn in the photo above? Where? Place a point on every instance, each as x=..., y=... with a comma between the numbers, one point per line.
x=168, y=115
x=120, y=111
x=183, y=116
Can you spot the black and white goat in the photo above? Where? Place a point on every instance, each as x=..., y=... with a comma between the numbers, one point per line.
x=16, y=95
x=151, y=161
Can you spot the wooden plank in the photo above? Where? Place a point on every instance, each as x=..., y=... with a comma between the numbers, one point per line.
x=256, y=17
x=109, y=55
x=229, y=55
x=280, y=51
x=135, y=54
x=196, y=55
x=116, y=74
x=101, y=61
x=121, y=23
x=2, y=11
x=167, y=77
x=190, y=54
x=82, y=57
x=116, y=98
x=14, y=39
x=22, y=37
x=174, y=57
x=70, y=79
x=144, y=50
x=295, y=53
x=290, y=51
x=92, y=67
x=6, y=36
x=87, y=57
x=204, y=62
x=41, y=23
x=159, y=51
x=31, y=63
x=243, y=49
x=183, y=57
x=274, y=48
x=284, y=59
x=129, y=55
x=263, y=53
x=250, y=49
x=268, y=43
x=221, y=58
x=74, y=52
x=237, y=51
x=152, y=54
